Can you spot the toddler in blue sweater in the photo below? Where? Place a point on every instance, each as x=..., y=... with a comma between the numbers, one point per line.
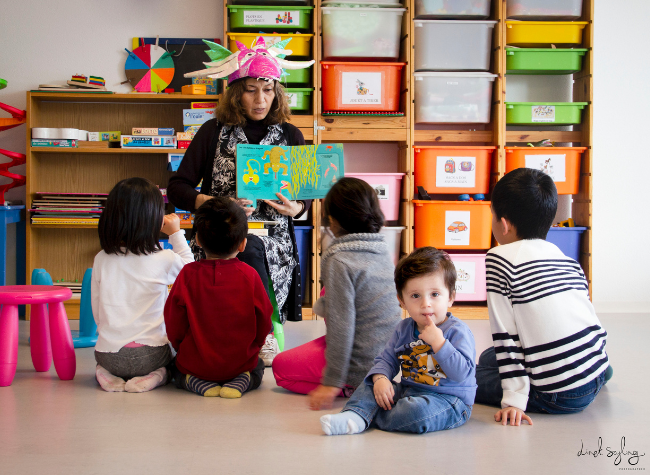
x=434, y=350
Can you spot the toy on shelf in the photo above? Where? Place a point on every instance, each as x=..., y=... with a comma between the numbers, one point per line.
x=476, y=197
x=149, y=68
x=18, y=117
x=542, y=143
x=16, y=180
x=568, y=223
x=82, y=82
x=3, y=83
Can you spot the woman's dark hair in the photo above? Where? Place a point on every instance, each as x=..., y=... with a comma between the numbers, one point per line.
x=230, y=111
x=423, y=261
x=354, y=205
x=528, y=199
x=221, y=226
x=132, y=218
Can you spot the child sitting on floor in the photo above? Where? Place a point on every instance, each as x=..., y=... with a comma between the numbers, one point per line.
x=129, y=285
x=436, y=354
x=218, y=313
x=549, y=347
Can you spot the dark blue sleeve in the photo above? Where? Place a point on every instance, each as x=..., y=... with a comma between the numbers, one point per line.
x=456, y=357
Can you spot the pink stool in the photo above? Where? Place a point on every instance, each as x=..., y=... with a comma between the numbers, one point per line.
x=56, y=330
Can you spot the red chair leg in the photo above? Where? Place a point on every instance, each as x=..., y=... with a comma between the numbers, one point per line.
x=8, y=343
x=65, y=361
x=39, y=338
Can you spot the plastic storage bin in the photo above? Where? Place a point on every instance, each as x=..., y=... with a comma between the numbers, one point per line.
x=544, y=60
x=453, y=224
x=526, y=33
x=461, y=9
x=543, y=113
x=376, y=3
x=544, y=9
x=270, y=2
x=392, y=235
x=299, y=98
x=361, y=86
x=303, y=243
x=362, y=33
x=453, y=169
x=453, y=97
x=470, y=277
x=244, y=17
x=561, y=163
x=297, y=77
x=388, y=187
x=448, y=45
x=567, y=239
x=300, y=44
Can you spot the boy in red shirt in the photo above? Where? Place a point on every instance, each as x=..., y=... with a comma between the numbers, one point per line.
x=218, y=313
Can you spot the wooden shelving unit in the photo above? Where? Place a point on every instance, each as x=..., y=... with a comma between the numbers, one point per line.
x=66, y=251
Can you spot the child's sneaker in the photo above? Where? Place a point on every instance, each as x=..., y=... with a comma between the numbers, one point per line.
x=269, y=350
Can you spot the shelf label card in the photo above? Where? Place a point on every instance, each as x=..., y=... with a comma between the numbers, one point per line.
x=465, y=276
x=278, y=17
x=553, y=165
x=361, y=88
x=543, y=113
x=455, y=172
x=457, y=226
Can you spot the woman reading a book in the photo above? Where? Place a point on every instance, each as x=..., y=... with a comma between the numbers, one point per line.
x=253, y=110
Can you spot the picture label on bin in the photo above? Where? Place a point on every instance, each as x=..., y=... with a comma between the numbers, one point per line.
x=455, y=172
x=361, y=88
x=293, y=99
x=553, y=165
x=382, y=191
x=457, y=225
x=257, y=17
x=541, y=113
x=465, y=277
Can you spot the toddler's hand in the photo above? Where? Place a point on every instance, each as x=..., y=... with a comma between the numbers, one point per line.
x=432, y=335
x=516, y=415
x=384, y=393
x=171, y=224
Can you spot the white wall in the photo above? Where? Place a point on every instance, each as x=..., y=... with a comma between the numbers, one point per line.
x=49, y=44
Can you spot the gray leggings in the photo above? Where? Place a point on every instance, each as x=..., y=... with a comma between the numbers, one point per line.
x=132, y=362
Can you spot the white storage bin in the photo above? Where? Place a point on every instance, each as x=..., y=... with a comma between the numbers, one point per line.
x=393, y=235
x=448, y=98
x=460, y=9
x=449, y=45
x=544, y=9
x=368, y=33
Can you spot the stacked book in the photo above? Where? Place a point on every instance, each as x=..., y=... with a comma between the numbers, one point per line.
x=67, y=208
x=75, y=287
x=57, y=137
x=146, y=137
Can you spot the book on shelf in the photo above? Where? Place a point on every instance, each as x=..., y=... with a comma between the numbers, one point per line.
x=67, y=208
x=148, y=141
x=62, y=143
x=152, y=131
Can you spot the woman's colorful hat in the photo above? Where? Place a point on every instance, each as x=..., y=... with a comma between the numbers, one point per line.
x=257, y=62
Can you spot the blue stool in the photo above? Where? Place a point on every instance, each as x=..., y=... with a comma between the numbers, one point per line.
x=87, y=335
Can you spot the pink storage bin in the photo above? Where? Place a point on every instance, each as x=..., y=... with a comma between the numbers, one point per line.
x=470, y=277
x=388, y=187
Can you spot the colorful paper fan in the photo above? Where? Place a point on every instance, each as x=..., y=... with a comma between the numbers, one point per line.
x=149, y=68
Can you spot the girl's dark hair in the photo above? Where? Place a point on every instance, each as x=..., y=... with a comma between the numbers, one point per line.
x=230, y=111
x=528, y=199
x=354, y=205
x=423, y=261
x=132, y=218
x=221, y=226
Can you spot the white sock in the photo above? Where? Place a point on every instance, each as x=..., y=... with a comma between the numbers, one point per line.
x=109, y=382
x=146, y=383
x=346, y=422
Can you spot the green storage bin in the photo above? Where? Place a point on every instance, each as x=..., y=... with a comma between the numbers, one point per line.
x=297, y=76
x=254, y=17
x=543, y=113
x=544, y=60
x=299, y=98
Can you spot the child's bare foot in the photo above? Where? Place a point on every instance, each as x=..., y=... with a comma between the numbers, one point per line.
x=109, y=382
x=146, y=383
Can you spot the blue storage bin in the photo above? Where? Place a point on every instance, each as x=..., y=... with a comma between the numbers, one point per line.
x=567, y=239
x=303, y=235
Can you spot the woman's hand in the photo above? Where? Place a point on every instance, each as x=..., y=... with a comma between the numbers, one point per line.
x=245, y=204
x=383, y=391
x=288, y=207
x=171, y=224
x=323, y=397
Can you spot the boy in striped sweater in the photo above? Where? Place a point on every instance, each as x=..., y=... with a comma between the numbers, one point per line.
x=549, y=347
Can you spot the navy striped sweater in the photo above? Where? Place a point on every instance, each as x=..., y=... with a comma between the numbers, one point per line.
x=545, y=330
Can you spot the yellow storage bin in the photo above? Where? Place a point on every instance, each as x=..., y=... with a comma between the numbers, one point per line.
x=526, y=33
x=300, y=44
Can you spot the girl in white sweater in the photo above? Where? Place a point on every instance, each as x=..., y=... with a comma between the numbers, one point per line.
x=129, y=287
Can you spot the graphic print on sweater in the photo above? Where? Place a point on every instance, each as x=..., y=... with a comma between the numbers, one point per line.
x=419, y=365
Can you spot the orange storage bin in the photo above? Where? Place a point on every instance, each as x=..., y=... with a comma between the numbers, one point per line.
x=453, y=169
x=453, y=224
x=359, y=87
x=561, y=163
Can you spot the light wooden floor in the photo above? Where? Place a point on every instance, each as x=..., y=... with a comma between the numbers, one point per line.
x=52, y=427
